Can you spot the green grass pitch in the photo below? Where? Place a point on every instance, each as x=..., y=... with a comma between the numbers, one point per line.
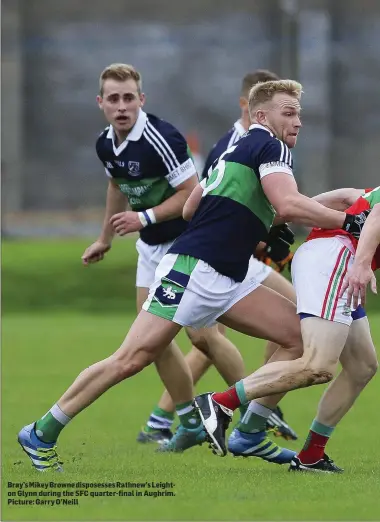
x=58, y=319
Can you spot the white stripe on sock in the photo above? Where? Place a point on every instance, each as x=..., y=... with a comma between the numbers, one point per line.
x=185, y=410
x=259, y=409
x=58, y=414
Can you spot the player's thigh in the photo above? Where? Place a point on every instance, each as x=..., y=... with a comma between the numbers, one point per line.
x=323, y=342
x=146, y=340
x=279, y=284
x=318, y=270
x=265, y=314
x=359, y=354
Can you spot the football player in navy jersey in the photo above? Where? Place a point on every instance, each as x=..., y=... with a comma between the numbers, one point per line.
x=279, y=249
x=149, y=165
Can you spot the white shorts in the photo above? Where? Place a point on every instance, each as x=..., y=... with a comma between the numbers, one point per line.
x=318, y=270
x=151, y=255
x=148, y=260
x=190, y=292
x=259, y=270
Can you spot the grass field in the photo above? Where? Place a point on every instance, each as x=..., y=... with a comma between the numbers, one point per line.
x=59, y=319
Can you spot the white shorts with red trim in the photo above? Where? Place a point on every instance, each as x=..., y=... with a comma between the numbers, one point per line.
x=318, y=270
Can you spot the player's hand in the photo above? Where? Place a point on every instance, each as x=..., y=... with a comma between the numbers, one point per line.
x=355, y=283
x=126, y=222
x=277, y=249
x=95, y=252
x=353, y=224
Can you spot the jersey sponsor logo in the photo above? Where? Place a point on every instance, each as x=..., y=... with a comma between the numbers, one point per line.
x=120, y=163
x=275, y=166
x=109, y=165
x=181, y=173
x=134, y=168
x=140, y=190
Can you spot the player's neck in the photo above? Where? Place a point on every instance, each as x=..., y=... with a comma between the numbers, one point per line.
x=121, y=136
x=245, y=122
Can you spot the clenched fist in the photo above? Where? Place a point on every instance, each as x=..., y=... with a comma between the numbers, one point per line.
x=95, y=252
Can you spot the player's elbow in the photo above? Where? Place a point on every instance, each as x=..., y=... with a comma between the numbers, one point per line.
x=285, y=207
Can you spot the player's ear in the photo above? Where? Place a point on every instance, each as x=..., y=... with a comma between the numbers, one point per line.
x=99, y=100
x=243, y=102
x=142, y=99
x=261, y=117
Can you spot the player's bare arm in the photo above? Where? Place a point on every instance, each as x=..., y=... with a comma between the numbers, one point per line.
x=126, y=222
x=361, y=272
x=339, y=199
x=281, y=190
x=115, y=202
x=193, y=201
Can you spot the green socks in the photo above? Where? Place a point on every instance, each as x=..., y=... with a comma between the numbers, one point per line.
x=159, y=419
x=50, y=426
x=188, y=415
x=255, y=418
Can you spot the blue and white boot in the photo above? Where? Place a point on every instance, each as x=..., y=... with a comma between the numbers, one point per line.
x=43, y=455
x=258, y=445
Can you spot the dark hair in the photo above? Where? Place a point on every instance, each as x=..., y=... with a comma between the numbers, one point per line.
x=250, y=79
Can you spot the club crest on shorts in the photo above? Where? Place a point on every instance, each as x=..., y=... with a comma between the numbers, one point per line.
x=134, y=168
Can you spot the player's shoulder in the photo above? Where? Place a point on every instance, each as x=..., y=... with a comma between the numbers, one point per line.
x=265, y=145
x=102, y=138
x=160, y=126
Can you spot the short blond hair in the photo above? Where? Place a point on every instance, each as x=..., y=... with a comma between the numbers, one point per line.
x=264, y=91
x=120, y=72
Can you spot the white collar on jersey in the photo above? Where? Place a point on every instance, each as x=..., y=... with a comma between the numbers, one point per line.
x=239, y=128
x=134, y=135
x=258, y=126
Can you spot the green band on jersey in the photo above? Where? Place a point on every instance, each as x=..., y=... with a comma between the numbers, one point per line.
x=145, y=193
x=240, y=183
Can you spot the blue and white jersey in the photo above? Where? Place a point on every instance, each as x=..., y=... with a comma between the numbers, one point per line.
x=147, y=166
x=234, y=214
x=225, y=142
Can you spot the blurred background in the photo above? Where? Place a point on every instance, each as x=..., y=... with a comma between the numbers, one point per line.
x=192, y=56
x=58, y=316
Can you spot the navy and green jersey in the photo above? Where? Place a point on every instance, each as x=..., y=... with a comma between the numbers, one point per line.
x=225, y=142
x=150, y=163
x=234, y=214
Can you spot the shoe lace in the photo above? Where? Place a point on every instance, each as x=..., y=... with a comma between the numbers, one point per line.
x=52, y=456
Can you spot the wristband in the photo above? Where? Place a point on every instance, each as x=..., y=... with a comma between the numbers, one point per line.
x=147, y=217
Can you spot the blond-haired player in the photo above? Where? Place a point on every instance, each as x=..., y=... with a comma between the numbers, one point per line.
x=202, y=277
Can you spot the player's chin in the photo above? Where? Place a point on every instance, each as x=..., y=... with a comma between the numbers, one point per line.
x=123, y=124
x=291, y=140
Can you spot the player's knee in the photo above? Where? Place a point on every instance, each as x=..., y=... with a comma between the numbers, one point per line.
x=364, y=371
x=318, y=372
x=200, y=340
x=127, y=365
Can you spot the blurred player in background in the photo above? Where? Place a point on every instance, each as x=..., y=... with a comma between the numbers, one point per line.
x=162, y=415
x=332, y=329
